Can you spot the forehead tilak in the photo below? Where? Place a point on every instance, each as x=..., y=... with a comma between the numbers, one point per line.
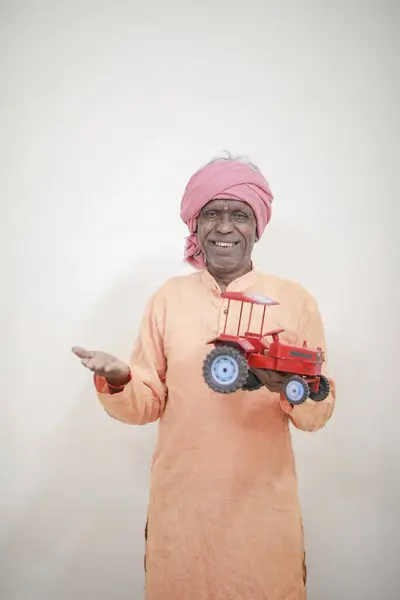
x=226, y=204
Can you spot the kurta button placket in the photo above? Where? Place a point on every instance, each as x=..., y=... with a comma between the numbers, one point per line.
x=223, y=313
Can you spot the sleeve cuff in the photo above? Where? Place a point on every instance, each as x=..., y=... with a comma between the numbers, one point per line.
x=104, y=387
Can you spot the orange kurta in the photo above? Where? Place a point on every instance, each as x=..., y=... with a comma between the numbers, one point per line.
x=224, y=521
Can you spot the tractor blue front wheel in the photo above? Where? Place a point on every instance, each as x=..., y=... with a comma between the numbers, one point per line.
x=296, y=390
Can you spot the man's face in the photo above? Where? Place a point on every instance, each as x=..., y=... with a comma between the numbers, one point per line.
x=226, y=233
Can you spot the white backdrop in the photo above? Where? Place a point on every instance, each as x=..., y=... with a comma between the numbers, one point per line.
x=107, y=108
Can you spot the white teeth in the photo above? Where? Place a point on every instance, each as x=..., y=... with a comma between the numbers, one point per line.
x=224, y=244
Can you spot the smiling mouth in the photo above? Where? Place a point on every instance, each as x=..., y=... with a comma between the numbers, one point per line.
x=224, y=244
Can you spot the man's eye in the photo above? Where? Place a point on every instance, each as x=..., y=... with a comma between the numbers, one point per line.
x=210, y=214
x=240, y=216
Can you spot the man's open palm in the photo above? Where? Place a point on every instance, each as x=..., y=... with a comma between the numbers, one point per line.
x=106, y=365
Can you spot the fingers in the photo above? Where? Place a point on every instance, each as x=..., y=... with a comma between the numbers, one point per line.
x=90, y=363
x=91, y=360
x=82, y=353
x=95, y=363
x=101, y=364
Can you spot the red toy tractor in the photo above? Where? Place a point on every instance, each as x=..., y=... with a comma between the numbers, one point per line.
x=227, y=368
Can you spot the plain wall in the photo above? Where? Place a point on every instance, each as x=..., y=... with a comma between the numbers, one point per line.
x=107, y=109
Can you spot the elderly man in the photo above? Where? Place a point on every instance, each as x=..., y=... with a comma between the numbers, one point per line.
x=224, y=521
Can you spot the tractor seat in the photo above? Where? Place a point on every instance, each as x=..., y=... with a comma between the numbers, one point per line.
x=273, y=332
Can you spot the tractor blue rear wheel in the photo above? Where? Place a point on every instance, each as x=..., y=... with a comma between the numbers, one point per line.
x=225, y=369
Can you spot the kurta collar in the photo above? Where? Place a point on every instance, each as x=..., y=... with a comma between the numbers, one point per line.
x=238, y=285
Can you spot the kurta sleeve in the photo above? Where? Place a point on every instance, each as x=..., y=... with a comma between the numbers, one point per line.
x=311, y=415
x=143, y=399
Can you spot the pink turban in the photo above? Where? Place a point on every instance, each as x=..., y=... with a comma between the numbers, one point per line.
x=229, y=179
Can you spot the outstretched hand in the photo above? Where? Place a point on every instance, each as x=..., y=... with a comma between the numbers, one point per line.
x=106, y=365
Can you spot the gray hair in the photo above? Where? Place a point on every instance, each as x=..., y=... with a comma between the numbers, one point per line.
x=243, y=159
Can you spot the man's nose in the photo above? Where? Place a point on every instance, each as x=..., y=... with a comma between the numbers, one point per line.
x=224, y=224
